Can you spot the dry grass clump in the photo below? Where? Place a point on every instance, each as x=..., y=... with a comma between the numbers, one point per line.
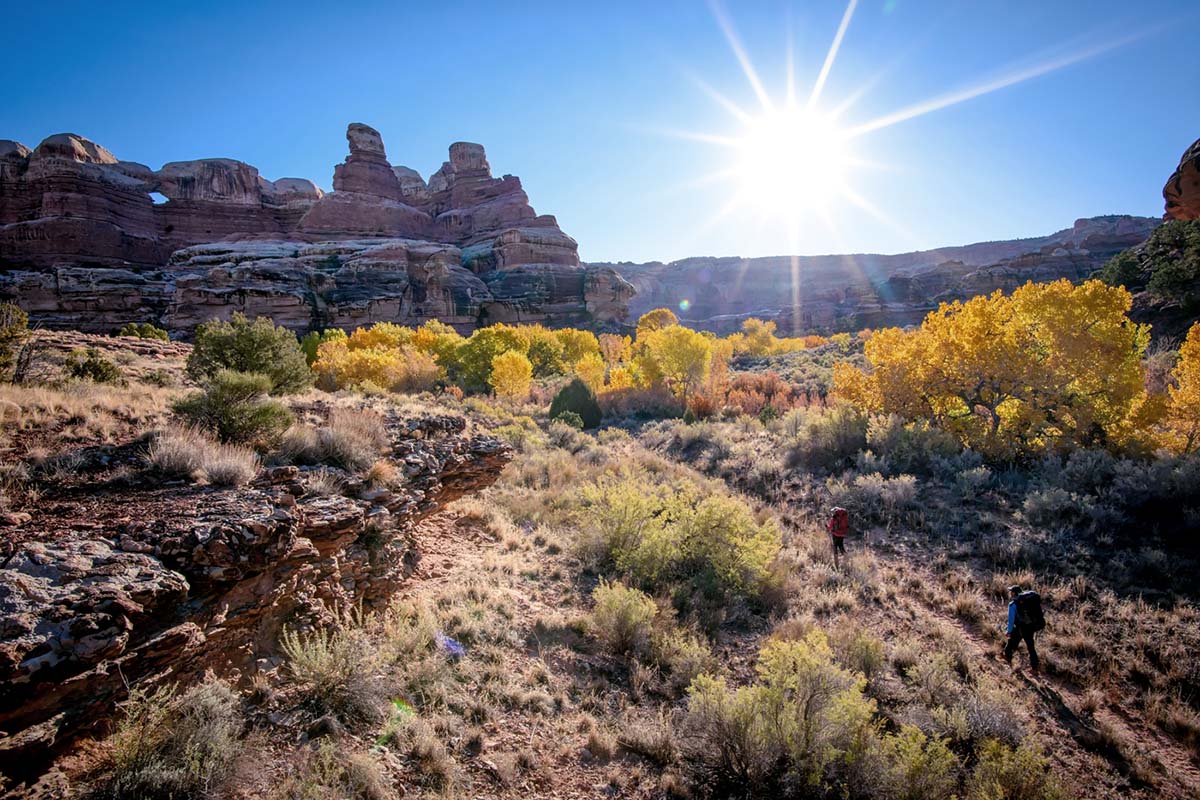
x=336, y=667
x=351, y=439
x=171, y=745
x=330, y=772
x=188, y=453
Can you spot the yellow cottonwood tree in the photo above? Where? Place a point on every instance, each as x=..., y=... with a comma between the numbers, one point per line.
x=677, y=356
x=511, y=376
x=655, y=320
x=1182, y=420
x=590, y=370
x=1052, y=365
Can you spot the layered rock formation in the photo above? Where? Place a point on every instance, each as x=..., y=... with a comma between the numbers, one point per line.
x=83, y=244
x=1182, y=192
x=168, y=582
x=850, y=292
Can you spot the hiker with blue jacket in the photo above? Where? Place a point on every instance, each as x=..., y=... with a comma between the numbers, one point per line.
x=1025, y=619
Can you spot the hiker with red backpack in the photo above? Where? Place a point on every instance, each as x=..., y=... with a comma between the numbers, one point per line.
x=1025, y=619
x=838, y=526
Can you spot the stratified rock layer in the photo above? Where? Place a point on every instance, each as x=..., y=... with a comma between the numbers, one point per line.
x=851, y=292
x=155, y=583
x=1182, y=192
x=84, y=245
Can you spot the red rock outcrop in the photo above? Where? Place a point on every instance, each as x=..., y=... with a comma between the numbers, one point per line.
x=82, y=244
x=1182, y=192
x=162, y=582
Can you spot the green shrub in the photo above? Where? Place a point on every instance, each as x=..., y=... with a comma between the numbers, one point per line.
x=577, y=397
x=89, y=364
x=921, y=768
x=1005, y=773
x=674, y=535
x=144, y=330
x=1123, y=269
x=570, y=418
x=174, y=746
x=14, y=329
x=245, y=346
x=234, y=406
x=684, y=656
x=623, y=618
x=803, y=723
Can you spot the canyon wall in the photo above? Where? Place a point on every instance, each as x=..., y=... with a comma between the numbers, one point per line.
x=84, y=244
x=851, y=292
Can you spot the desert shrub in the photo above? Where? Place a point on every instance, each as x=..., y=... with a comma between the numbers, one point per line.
x=144, y=330
x=922, y=768
x=14, y=330
x=171, y=745
x=89, y=364
x=245, y=346
x=331, y=773
x=912, y=447
x=684, y=656
x=971, y=482
x=578, y=398
x=827, y=439
x=622, y=617
x=802, y=723
x=570, y=418
x=674, y=535
x=335, y=669
x=873, y=497
x=858, y=650
x=1006, y=773
x=235, y=407
x=188, y=453
x=352, y=439
x=568, y=437
x=643, y=403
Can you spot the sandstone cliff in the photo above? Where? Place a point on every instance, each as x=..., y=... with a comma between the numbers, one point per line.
x=84, y=245
x=850, y=292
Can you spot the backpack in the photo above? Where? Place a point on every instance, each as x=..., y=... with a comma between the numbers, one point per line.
x=839, y=525
x=1029, y=611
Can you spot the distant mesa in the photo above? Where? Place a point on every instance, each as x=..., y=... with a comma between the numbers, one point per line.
x=89, y=241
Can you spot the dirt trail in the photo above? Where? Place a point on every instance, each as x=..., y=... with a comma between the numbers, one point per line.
x=457, y=548
x=1082, y=744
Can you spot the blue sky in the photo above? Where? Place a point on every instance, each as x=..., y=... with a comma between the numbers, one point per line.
x=580, y=100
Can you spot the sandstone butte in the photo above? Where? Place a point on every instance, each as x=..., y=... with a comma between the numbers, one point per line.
x=84, y=245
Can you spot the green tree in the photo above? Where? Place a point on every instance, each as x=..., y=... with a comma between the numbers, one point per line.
x=244, y=346
x=235, y=407
x=577, y=397
x=14, y=329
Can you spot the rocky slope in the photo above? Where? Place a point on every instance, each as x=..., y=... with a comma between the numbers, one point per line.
x=130, y=580
x=849, y=292
x=83, y=244
x=1182, y=192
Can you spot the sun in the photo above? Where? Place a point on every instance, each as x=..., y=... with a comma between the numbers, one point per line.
x=791, y=161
